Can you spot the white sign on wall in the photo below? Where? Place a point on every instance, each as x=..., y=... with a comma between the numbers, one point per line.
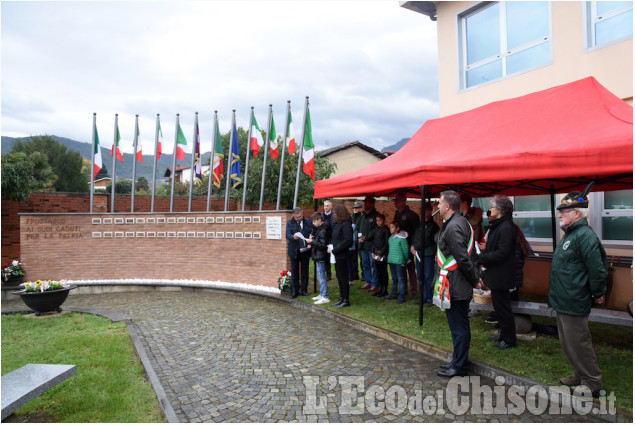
x=274, y=227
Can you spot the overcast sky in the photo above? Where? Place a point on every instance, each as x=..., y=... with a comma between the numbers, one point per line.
x=368, y=67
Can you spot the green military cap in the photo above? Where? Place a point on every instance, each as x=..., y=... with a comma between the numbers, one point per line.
x=574, y=200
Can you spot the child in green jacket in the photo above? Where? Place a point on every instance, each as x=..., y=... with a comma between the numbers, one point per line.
x=397, y=258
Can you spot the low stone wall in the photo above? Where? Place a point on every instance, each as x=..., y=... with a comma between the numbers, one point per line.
x=235, y=247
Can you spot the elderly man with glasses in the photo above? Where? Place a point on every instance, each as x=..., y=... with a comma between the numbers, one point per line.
x=577, y=280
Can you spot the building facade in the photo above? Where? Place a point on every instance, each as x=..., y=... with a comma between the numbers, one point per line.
x=491, y=51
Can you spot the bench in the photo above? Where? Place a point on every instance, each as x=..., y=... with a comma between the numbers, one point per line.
x=601, y=315
x=24, y=384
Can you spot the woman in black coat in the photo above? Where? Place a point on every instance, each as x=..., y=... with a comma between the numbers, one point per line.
x=342, y=239
x=499, y=259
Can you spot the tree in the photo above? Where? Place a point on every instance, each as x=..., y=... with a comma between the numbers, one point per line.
x=123, y=186
x=18, y=179
x=67, y=165
x=142, y=184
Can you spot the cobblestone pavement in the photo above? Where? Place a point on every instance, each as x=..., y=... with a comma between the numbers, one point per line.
x=224, y=357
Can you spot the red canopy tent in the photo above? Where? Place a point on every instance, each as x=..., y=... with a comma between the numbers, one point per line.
x=556, y=140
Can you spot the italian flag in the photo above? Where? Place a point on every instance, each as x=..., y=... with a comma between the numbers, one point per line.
x=290, y=137
x=116, y=147
x=159, y=145
x=218, y=158
x=273, y=140
x=139, y=148
x=181, y=145
x=97, y=164
x=256, y=137
x=307, y=155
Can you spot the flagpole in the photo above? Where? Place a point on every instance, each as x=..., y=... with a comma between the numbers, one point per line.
x=176, y=138
x=264, y=162
x=284, y=146
x=211, y=161
x=251, y=121
x=154, y=166
x=297, y=177
x=92, y=160
x=229, y=159
x=114, y=167
x=134, y=160
x=193, y=172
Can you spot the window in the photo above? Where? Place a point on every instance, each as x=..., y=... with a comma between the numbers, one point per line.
x=617, y=216
x=607, y=22
x=502, y=39
x=610, y=216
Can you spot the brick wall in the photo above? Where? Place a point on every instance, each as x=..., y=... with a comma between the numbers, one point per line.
x=66, y=246
x=54, y=202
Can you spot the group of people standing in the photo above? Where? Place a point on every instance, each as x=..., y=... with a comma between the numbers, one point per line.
x=467, y=258
x=336, y=235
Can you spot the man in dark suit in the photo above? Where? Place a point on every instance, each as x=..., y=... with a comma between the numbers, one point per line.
x=460, y=272
x=298, y=252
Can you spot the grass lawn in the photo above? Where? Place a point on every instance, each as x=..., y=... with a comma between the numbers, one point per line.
x=541, y=359
x=110, y=383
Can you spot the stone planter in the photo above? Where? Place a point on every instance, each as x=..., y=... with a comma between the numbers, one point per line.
x=43, y=302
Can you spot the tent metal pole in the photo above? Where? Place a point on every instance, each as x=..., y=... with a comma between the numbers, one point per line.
x=423, y=249
x=552, y=197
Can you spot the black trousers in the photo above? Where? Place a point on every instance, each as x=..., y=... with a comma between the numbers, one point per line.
x=382, y=274
x=300, y=273
x=461, y=334
x=341, y=270
x=501, y=300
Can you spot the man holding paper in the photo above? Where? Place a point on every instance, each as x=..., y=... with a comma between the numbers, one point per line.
x=297, y=231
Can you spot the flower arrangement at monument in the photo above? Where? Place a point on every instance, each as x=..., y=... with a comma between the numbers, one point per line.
x=43, y=286
x=284, y=281
x=12, y=272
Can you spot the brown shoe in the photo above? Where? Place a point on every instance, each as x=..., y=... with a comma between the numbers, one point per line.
x=570, y=381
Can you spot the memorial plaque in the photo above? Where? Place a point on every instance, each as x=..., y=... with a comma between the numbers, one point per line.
x=107, y=220
x=209, y=220
x=140, y=220
x=129, y=220
x=96, y=220
x=274, y=227
x=150, y=221
x=96, y=234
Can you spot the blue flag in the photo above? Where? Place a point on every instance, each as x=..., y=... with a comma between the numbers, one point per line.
x=235, y=160
x=198, y=175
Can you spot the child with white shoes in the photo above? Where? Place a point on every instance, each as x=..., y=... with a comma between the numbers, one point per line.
x=318, y=241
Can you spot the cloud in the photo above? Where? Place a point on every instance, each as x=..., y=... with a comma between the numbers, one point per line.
x=369, y=67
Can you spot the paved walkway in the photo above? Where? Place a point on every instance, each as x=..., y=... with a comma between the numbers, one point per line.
x=225, y=357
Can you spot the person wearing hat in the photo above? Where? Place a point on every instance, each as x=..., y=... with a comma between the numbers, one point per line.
x=354, y=256
x=577, y=279
x=367, y=227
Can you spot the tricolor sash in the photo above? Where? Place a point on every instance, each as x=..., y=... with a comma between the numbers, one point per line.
x=441, y=297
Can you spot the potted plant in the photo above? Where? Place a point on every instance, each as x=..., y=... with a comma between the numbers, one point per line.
x=44, y=296
x=12, y=272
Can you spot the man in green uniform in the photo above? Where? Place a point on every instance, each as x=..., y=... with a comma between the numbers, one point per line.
x=578, y=278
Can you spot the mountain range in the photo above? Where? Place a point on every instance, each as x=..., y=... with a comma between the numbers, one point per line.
x=143, y=169
x=123, y=170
